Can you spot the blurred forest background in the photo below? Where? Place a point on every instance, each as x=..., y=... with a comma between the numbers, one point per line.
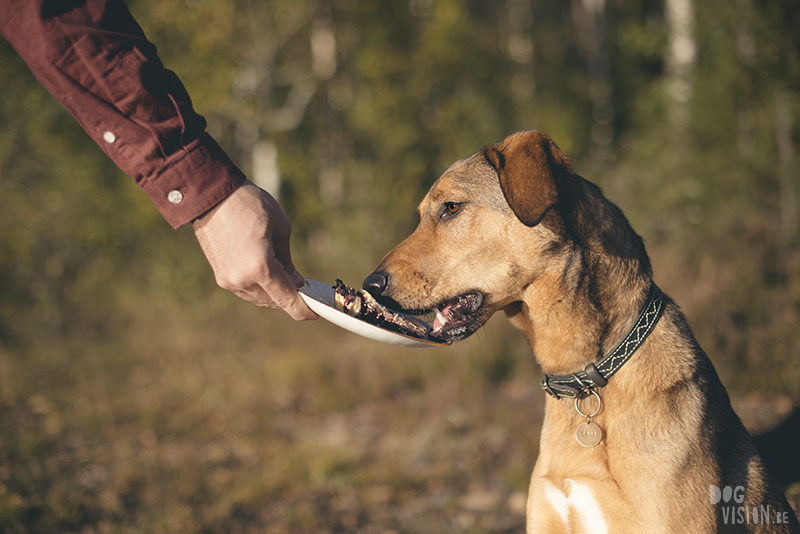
x=136, y=396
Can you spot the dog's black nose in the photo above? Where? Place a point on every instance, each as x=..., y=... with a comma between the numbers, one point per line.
x=376, y=283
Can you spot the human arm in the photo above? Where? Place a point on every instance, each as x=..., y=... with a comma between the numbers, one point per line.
x=94, y=58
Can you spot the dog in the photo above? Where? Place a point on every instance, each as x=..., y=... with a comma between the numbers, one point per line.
x=639, y=435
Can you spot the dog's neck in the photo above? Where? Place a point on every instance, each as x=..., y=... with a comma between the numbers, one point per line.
x=570, y=315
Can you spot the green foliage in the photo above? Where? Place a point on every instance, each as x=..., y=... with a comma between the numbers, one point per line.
x=134, y=395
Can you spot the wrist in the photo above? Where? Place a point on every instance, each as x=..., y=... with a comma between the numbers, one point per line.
x=193, y=184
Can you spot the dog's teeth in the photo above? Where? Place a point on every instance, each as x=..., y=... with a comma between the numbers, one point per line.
x=440, y=321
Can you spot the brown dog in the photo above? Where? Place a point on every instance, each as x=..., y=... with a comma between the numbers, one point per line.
x=512, y=228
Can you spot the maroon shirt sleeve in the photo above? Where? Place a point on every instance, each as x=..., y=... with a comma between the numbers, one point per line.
x=94, y=58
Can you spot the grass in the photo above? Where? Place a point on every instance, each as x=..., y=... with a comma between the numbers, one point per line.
x=205, y=414
x=240, y=421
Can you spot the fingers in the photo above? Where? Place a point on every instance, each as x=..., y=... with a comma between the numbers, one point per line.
x=283, y=254
x=282, y=290
x=282, y=279
x=289, y=302
x=270, y=285
x=292, y=304
x=246, y=241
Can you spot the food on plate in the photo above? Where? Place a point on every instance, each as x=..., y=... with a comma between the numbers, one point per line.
x=362, y=305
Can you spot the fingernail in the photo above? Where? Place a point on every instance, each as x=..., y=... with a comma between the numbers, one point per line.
x=298, y=280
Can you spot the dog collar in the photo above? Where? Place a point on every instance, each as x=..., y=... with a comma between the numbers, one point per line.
x=597, y=375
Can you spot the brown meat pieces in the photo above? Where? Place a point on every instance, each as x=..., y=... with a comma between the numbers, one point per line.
x=360, y=304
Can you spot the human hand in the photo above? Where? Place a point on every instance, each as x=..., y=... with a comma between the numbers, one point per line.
x=246, y=240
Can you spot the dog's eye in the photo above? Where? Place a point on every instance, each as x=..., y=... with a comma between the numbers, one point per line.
x=450, y=209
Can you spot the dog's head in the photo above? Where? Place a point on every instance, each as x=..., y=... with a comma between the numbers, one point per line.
x=487, y=233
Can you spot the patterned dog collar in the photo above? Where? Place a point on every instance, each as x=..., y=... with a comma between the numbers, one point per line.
x=597, y=375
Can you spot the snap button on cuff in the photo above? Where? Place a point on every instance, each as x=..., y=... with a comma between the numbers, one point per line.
x=175, y=196
x=109, y=137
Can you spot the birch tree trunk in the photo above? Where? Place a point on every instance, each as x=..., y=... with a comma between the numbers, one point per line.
x=680, y=57
x=589, y=19
x=786, y=170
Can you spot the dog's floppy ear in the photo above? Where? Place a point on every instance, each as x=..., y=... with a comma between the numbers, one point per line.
x=532, y=171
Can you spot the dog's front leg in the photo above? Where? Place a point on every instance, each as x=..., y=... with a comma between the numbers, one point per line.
x=548, y=508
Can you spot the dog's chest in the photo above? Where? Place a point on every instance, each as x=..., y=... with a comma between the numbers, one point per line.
x=576, y=507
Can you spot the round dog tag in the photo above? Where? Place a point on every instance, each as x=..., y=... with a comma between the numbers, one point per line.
x=589, y=434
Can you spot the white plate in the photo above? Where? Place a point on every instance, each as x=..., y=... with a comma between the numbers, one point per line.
x=320, y=297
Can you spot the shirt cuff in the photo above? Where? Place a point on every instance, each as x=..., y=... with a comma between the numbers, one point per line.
x=194, y=181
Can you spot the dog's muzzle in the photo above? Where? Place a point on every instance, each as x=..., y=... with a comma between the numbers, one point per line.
x=456, y=317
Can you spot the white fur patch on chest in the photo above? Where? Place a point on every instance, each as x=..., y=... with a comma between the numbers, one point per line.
x=577, y=507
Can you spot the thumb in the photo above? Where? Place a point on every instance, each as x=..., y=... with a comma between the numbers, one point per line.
x=283, y=254
x=299, y=281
